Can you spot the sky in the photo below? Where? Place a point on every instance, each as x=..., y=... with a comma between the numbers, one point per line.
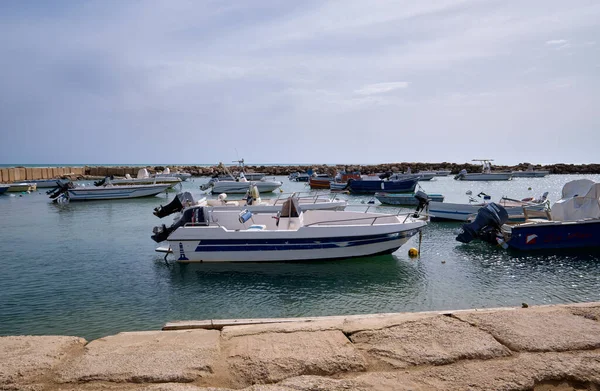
x=278, y=81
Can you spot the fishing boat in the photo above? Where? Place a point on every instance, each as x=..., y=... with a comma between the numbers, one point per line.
x=143, y=178
x=183, y=176
x=299, y=177
x=574, y=223
x=408, y=199
x=530, y=173
x=485, y=175
x=447, y=211
x=409, y=175
x=4, y=188
x=320, y=181
x=216, y=186
x=22, y=187
x=372, y=186
x=44, y=183
x=435, y=173
x=202, y=235
x=67, y=191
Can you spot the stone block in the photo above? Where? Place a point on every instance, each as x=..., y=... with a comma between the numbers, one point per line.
x=271, y=357
x=11, y=175
x=435, y=340
x=4, y=175
x=36, y=173
x=146, y=357
x=537, y=329
x=29, y=173
x=46, y=173
x=24, y=359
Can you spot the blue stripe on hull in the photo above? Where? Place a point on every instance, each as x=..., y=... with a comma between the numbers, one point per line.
x=559, y=236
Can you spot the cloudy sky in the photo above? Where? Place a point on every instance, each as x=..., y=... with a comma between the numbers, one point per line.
x=278, y=81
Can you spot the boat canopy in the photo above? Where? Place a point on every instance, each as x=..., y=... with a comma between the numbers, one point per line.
x=581, y=200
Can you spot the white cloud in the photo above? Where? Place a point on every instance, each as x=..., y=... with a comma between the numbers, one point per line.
x=380, y=88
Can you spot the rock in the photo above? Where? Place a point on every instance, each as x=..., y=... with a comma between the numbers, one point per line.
x=147, y=357
x=435, y=340
x=537, y=329
x=27, y=359
x=271, y=357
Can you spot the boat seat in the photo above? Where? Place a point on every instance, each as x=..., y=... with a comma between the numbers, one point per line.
x=257, y=227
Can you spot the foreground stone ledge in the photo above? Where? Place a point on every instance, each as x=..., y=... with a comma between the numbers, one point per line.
x=534, y=349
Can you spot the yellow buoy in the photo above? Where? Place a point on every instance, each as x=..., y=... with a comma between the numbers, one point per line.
x=413, y=252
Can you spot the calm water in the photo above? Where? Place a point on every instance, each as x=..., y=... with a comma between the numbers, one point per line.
x=89, y=269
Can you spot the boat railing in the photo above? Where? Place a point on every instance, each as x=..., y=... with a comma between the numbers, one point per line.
x=372, y=218
x=306, y=197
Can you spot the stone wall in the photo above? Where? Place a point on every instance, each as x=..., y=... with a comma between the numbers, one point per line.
x=536, y=348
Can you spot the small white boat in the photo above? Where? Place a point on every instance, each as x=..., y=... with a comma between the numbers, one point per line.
x=485, y=175
x=202, y=235
x=530, y=173
x=405, y=198
x=143, y=178
x=183, y=176
x=45, y=183
x=460, y=212
x=69, y=192
x=22, y=186
x=252, y=203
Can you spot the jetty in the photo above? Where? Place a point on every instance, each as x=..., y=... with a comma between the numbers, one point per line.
x=539, y=348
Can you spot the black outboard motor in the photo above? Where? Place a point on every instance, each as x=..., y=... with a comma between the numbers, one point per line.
x=486, y=225
x=61, y=188
x=179, y=202
x=423, y=199
x=385, y=175
x=197, y=216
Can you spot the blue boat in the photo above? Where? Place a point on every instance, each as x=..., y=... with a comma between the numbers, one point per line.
x=574, y=223
x=4, y=188
x=372, y=186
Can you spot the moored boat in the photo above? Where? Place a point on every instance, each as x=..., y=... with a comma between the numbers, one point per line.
x=22, y=187
x=320, y=181
x=183, y=176
x=45, y=183
x=202, y=235
x=67, y=192
x=530, y=173
x=485, y=175
x=574, y=223
x=143, y=178
x=372, y=186
x=440, y=211
x=408, y=199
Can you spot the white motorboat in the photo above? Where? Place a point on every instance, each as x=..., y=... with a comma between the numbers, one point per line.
x=143, y=178
x=485, y=175
x=460, y=212
x=202, y=235
x=183, y=176
x=530, y=173
x=239, y=186
x=66, y=192
x=253, y=203
x=21, y=187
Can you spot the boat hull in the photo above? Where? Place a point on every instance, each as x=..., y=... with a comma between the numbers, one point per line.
x=319, y=183
x=45, y=183
x=446, y=211
x=20, y=187
x=374, y=186
x=208, y=245
x=530, y=174
x=3, y=189
x=484, y=177
x=115, y=192
x=242, y=187
x=555, y=235
x=171, y=181
x=405, y=199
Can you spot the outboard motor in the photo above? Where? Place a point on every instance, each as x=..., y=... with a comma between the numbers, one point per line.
x=385, y=175
x=461, y=174
x=62, y=188
x=423, y=199
x=197, y=216
x=486, y=225
x=179, y=202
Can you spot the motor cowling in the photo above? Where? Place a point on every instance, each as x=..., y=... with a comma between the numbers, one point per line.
x=179, y=202
x=486, y=226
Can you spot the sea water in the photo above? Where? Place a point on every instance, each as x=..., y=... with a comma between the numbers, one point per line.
x=89, y=268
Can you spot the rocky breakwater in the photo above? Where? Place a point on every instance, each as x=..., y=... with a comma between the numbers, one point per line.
x=101, y=171
x=536, y=348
